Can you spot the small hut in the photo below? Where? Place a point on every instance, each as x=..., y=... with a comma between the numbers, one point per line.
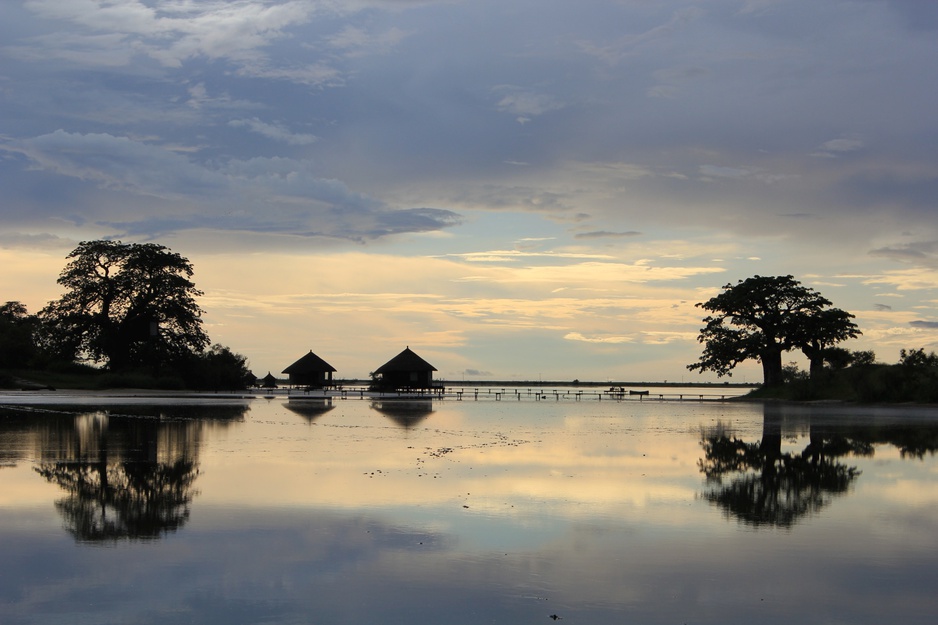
x=269, y=381
x=310, y=371
x=406, y=371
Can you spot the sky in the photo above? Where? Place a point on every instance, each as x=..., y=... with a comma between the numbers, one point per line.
x=515, y=189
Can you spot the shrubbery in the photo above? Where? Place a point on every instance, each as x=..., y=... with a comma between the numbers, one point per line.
x=913, y=379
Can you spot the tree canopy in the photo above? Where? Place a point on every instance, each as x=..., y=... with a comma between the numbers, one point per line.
x=761, y=318
x=126, y=305
x=18, y=333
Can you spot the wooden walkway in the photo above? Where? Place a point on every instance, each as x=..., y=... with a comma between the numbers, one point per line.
x=458, y=393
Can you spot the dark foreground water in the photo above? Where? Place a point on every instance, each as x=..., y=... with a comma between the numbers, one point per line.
x=353, y=511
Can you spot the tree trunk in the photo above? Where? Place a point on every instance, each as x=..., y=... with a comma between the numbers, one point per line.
x=771, y=368
x=817, y=366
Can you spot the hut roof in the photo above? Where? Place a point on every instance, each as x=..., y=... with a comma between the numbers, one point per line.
x=405, y=361
x=310, y=363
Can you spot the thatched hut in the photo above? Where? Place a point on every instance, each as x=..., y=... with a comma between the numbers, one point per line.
x=310, y=371
x=406, y=371
x=269, y=381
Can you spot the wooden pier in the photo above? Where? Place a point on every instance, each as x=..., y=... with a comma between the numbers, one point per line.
x=487, y=393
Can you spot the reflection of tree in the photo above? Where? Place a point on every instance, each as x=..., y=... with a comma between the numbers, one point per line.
x=124, y=500
x=128, y=474
x=772, y=488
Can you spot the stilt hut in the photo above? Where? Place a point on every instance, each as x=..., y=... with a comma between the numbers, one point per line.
x=269, y=381
x=406, y=371
x=310, y=371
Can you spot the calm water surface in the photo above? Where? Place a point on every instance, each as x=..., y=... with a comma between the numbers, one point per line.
x=140, y=511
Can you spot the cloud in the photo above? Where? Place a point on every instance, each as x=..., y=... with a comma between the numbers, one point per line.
x=117, y=163
x=835, y=147
x=613, y=340
x=924, y=325
x=906, y=279
x=630, y=44
x=476, y=372
x=177, y=32
x=501, y=256
x=277, y=132
x=292, y=124
x=924, y=253
x=603, y=234
x=354, y=41
x=591, y=273
x=259, y=195
x=525, y=104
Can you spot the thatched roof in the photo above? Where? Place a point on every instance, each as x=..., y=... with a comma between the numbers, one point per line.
x=405, y=361
x=310, y=363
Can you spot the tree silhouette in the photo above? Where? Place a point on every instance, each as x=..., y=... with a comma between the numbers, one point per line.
x=761, y=318
x=126, y=305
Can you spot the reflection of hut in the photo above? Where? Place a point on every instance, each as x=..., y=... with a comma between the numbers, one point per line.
x=269, y=381
x=310, y=370
x=310, y=408
x=405, y=413
x=406, y=371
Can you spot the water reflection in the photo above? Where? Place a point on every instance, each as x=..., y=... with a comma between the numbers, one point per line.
x=128, y=472
x=505, y=512
x=310, y=408
x=407, y=413
x=760, y=485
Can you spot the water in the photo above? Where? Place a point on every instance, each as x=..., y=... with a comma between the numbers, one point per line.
x=235, y=511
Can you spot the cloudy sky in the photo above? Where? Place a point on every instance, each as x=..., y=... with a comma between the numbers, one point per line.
x=516, y=189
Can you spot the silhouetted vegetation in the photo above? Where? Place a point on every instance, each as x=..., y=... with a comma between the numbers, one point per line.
x=128, y=318
x=858, y=377
x=761, y=318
